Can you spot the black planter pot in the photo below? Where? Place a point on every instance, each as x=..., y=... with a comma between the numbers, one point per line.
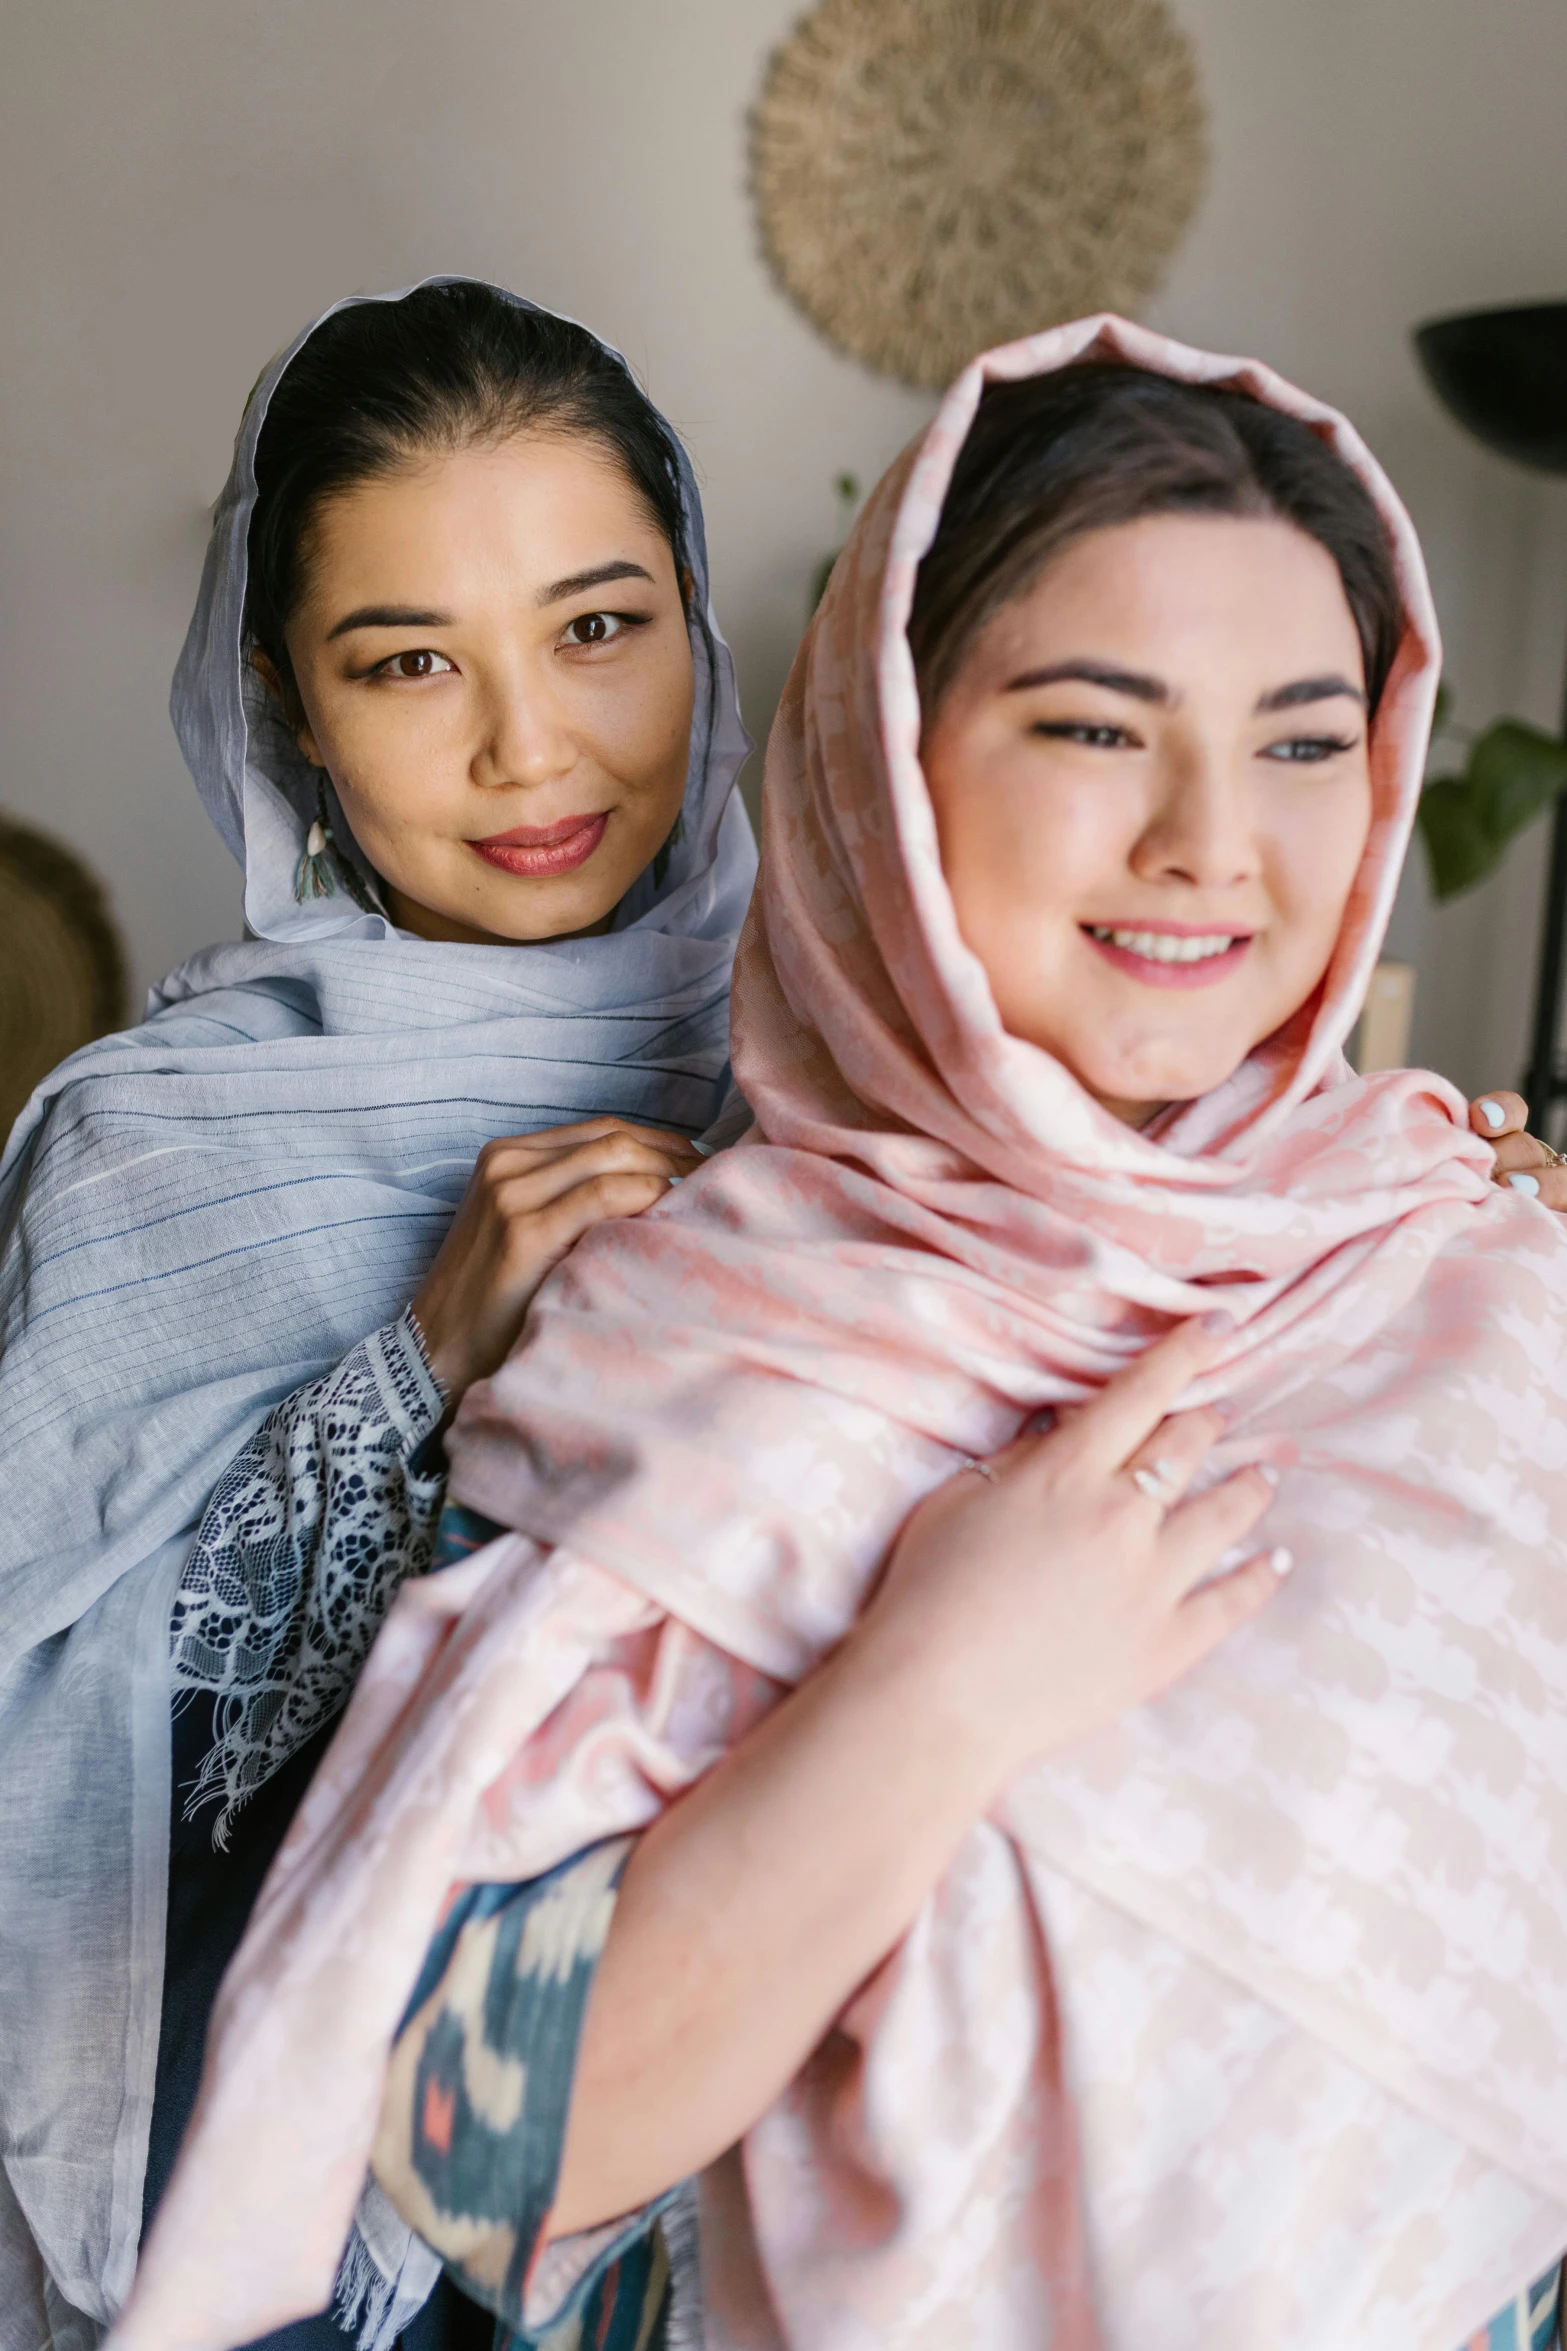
x=1503, y=373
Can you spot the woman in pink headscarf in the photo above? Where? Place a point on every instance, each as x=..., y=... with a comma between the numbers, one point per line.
x=1243, y=2021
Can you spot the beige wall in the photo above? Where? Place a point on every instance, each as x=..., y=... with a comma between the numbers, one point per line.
x=183, y=181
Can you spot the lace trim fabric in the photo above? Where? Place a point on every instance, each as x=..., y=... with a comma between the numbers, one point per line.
x=306, y=1538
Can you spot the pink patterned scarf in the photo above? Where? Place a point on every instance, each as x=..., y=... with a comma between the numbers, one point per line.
x=1245, y=2023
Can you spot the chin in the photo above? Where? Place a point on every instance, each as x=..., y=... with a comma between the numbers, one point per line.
x=539, y=924
x=1180, y=1079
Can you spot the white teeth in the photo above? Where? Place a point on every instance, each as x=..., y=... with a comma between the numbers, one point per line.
x=1165, y=946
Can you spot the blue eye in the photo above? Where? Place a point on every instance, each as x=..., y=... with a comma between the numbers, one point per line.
x=1308, y=750
x=1072, y=730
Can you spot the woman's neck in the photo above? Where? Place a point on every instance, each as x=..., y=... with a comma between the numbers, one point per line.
x=1130, y=1114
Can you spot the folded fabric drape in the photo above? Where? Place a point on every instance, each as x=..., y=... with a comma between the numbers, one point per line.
x=1244, y=2022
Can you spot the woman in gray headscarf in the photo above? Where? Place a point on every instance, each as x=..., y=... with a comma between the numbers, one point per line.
x=453, y=696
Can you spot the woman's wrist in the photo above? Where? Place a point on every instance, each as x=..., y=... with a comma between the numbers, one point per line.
x=901, y=1668
x=440, y=1357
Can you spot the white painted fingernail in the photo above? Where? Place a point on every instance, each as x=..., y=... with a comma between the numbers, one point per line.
x=1281, y=1561
x=674, y=1179
x=1269, y=1472
x=1493, y=1114
x=1525, y=1183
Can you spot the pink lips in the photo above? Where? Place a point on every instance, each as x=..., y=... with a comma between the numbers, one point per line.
x=1155, y=974
x=536, y=849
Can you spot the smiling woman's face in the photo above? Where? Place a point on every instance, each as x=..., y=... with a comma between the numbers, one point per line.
x=1152, y=791
x=494, y=669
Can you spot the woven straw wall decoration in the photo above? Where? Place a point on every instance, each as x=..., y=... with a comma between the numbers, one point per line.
x=62, y=973
x=935, y=176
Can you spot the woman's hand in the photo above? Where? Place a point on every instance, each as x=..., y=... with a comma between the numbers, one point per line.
x=1012, y=1618
x=1521, y=1161
x=1070, y=1581
x=529, y=1199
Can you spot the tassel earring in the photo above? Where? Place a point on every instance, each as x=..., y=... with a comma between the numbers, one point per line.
x=324, y=870
x=316, y=878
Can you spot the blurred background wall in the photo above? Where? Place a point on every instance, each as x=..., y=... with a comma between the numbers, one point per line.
x=183, y=182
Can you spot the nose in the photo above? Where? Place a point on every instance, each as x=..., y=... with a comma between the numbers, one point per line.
x=1201, y=828
x=523, y=733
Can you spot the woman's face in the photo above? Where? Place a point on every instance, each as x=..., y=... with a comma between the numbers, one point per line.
x=1152, y=792
x=494, y=669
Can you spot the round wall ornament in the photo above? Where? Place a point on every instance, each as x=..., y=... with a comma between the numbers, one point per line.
x=935, y=176
x=62, y=971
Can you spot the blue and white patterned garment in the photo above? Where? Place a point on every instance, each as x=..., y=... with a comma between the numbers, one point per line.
x=1532, y=2323
x=198, y=1218
x=474, y=2122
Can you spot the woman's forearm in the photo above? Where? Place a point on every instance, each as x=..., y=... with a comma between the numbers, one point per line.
x=747, y=1917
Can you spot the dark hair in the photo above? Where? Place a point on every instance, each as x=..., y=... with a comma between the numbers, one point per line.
x=1053, y=457
x=448, y=365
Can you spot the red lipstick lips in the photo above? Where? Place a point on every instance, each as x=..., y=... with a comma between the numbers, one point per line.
x=539, y=849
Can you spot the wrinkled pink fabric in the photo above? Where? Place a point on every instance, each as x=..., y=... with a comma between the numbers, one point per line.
x=1243, y=2024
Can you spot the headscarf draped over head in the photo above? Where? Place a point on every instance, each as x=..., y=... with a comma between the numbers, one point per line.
x=1246, y=2021
x=203, y=1214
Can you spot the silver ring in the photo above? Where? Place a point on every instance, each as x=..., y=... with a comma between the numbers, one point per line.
x=981, y=1469
x=1158, y=1482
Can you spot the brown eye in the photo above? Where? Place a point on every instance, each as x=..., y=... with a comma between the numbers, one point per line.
x=601, y=628
x=420, y=663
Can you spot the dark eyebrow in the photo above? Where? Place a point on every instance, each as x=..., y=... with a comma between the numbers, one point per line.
x=1310, y=690
x=1096, y=673
x=390, y=616
x=577, y=582
x=415, y=616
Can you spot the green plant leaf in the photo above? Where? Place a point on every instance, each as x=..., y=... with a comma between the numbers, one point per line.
x=1459, y=849
x=1515, y=773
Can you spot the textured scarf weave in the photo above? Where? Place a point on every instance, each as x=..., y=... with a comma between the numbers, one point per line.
x=199, y=1216
x=1246, y=2022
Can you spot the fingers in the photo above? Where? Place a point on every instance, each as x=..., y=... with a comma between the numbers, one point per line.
x=1525, y=1165
x=546, y=1237
x=1215, y=1611
x=1198, y=1533
x=1104, y=1433
x=552, y=1142
x=534, y=1247
x=1164, y=1467
x=1498, y=1114
x=622, y=1152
